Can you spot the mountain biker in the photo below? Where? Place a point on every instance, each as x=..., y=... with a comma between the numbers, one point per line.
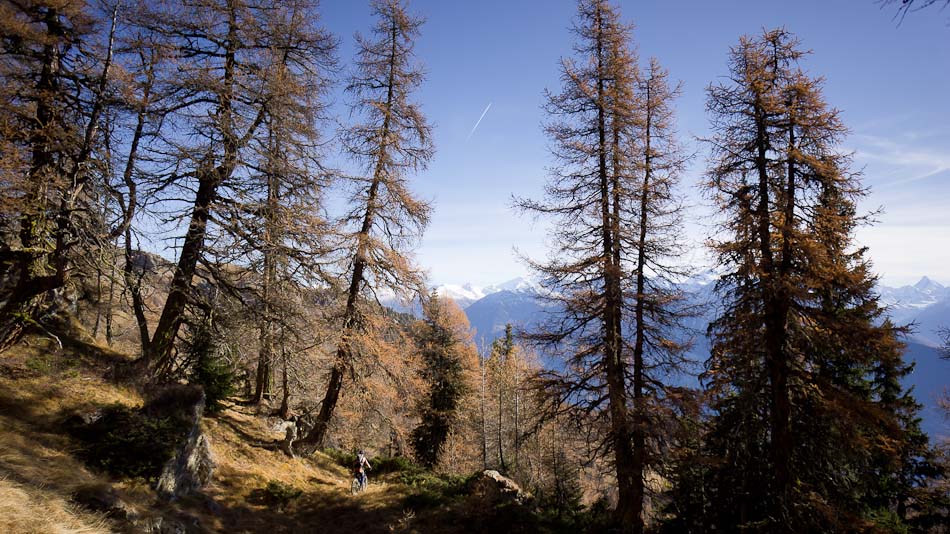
x=361, y=462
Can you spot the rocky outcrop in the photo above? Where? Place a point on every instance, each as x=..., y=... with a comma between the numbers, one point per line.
x=104, y=499
x=492, y=487
x=192, y=465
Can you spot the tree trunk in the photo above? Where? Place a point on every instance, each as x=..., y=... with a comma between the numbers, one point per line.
x=627, y=512
x=501, y=450
x=484, y=401
x=262, y=387
x=517, y=422
x=134, y=285
x=350, y=327
x=639, y=417
x=160, y=347
x=110, y=311
x=351, y=323
x=285, y=385
x=209, y=178
x=776, y=310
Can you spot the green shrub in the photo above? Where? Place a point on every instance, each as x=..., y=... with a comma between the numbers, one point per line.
x=128, y=442
x=211, y=369
x=887, y=521
x=346, y=459
x=432, y=489
x=380, y=465
x=279, y=494
x=47, y=363
x=39, y=364
x=391, y=464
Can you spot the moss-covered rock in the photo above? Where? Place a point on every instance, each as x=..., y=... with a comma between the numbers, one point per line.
x=162, y=442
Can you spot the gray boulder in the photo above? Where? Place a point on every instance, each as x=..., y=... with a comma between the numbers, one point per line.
x=494, y=488
x=192, y=466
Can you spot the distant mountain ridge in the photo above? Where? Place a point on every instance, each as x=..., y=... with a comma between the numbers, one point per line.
x=925, y=305
x=466, y=294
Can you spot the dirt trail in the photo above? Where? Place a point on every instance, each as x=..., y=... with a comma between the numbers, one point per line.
x=39, y=473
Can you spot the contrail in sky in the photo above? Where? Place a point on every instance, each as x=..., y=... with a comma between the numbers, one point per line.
x=479, y=121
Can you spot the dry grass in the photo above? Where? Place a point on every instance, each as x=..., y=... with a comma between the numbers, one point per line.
x=247, y=460
x=39, y=383
x=32, y=510
x=37, y=471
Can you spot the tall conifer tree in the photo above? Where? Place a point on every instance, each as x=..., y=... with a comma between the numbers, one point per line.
x=800, y=331
x=445, y=345
x=390, y=141
x=611, y=195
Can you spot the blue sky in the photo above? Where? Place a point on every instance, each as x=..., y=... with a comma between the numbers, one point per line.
x=891, y=82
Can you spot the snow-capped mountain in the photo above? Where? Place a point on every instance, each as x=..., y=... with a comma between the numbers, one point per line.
x=924, y=293
x=515, y=285
x=926, y=304
x=463, y=295
x=466, y=294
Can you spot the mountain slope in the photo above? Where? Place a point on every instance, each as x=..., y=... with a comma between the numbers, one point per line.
x=930, y=378
x=40, y=474
x=489, y=315
x=926, y=304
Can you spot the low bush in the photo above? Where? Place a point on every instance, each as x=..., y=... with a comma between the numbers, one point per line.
x=391, y=464
x=278, y=494
x=380, y=465
x=346, y=459
x=127, y=442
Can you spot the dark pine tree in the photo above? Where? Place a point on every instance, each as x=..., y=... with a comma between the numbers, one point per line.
x=440, y=348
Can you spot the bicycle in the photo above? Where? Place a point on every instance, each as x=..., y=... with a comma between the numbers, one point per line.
x=359, y=483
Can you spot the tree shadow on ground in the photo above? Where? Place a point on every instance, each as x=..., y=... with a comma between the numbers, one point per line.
x=327, y=510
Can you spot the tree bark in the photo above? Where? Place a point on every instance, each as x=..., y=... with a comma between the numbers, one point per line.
x=639, y=423
x=160, y=347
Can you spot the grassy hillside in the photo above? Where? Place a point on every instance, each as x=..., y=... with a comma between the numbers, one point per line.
x=256, y=488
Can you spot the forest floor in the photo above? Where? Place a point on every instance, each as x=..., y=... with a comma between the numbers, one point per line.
x=40, y=471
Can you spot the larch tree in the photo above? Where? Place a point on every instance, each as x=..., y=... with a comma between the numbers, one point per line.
x=655, y=305
x=799, y=331
x=583, y=277
x=220, y=60
x=215, y=73
x=500, y=386
x=54, y=90
x=274, y=223
x=390, y=140
x=613, y=248
x=140, y=118
x=748, y=357
x=504, y=409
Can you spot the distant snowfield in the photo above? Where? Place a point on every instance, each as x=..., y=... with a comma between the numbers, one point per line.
x=466, y=294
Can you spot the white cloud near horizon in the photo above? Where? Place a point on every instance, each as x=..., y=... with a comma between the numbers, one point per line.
x=908, y=172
